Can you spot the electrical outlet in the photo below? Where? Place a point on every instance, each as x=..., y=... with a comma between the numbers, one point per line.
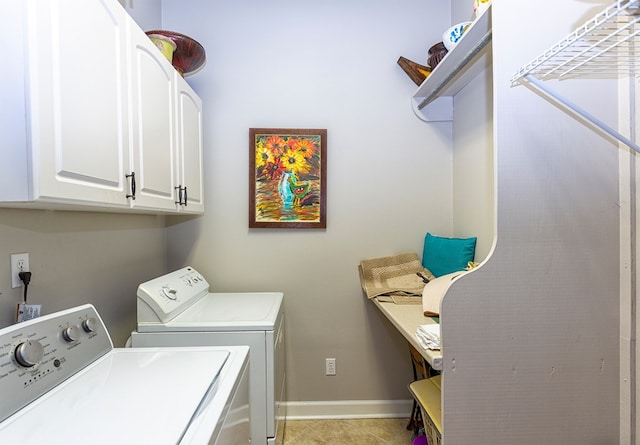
x=330, y=366
x=19, y=263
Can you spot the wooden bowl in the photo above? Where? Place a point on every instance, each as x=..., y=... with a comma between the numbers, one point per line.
x=189, y=55
x=435, y=54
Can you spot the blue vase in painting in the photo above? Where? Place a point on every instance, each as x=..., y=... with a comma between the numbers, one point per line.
x=285, y=189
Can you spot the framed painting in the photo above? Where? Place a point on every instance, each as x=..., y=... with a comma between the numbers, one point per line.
x=287, y=178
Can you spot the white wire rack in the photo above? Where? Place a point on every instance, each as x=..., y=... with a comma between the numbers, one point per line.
x=603, y=47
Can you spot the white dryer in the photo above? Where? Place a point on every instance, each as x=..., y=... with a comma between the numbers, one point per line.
x=177, y=309
x=63, y=382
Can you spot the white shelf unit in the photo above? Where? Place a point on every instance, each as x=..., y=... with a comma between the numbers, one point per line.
x=604, y=47
x=433, y=100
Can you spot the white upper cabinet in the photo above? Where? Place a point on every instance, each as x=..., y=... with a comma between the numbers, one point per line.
x=154, y=133
x=97, y=121
x=78, y=108
x=190, y=165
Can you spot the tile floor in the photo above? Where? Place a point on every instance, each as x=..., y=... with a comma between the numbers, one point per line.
x=347, y=432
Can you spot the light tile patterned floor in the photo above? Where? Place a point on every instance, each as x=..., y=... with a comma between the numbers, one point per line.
x=347, y=432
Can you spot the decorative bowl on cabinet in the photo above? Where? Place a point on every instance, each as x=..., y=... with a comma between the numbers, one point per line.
x=189, y=55
x=166, y=46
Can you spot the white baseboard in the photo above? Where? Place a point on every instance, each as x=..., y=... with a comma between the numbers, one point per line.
x=349, y=409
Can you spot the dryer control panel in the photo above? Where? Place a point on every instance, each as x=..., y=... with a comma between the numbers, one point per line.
x=39, y=354
x=163, y=298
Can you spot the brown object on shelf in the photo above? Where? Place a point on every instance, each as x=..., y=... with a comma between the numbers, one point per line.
x=418, y=73
x=435, y=54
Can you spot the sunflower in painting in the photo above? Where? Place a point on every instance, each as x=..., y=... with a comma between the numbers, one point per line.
x=292, y=164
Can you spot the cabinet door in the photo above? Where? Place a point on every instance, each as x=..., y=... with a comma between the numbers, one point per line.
x=153, y=129
x=190, y=146
x=78, y=101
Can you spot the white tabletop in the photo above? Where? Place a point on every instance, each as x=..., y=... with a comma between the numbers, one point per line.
x=406, y=318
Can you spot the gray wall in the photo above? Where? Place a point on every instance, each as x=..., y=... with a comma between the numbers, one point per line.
x=319, y=65
x=285, y=64
x=82, y=257
x=146, y=13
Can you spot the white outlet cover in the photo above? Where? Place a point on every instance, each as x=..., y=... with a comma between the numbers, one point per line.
x=330, y=366
x=16, y=258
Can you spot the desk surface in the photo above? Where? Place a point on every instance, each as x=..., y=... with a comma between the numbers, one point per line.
x=406, y=318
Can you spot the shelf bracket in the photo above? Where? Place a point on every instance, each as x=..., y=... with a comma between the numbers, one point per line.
x=439, y=110
x=580, y=111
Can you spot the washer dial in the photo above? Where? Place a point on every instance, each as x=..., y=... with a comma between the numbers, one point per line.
x=89, y=325
x=29, y=353
x=71, y=333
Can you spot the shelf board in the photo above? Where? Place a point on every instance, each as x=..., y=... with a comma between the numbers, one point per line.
x=433, y=101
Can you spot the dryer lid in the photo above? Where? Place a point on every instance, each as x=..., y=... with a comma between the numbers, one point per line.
x=234, y=311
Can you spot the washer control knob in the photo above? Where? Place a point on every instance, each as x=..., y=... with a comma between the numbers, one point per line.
x=29, y=353
x=89, y=325
x=71, y=333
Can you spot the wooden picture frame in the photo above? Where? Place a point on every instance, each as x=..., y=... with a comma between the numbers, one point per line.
x=287, y=178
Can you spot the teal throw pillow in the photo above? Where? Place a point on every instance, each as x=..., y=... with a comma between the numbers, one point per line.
x=446, y=255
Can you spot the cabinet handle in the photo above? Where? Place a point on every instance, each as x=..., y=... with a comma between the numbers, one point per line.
x=133, y=185
x=182, y=195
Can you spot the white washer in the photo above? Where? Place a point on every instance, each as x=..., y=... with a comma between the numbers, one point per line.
x=62, y=382
x=177, y=309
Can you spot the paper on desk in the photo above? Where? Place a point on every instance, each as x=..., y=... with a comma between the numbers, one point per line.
x=433, y=292
x=429, y=336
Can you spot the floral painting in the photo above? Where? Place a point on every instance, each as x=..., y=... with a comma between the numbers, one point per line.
x=287, y=178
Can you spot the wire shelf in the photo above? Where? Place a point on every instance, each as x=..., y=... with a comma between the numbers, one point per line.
x=605, y=46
